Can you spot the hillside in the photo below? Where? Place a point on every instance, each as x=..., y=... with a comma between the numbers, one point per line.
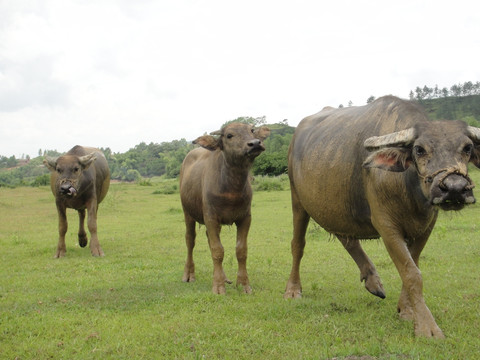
x=466, y=108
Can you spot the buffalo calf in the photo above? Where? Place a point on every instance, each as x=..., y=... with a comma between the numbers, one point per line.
x=79, y=180
x=215, y=190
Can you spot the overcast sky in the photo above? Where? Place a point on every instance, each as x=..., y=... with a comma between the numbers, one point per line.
x=109, y=73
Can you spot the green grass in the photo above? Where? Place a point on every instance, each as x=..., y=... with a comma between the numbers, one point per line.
x=132, y=304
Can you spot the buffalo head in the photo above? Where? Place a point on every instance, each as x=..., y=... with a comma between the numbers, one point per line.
x=238, y=141
x=440, y=152
x=67, y=171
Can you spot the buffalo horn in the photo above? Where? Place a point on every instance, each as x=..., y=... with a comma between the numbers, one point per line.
x=399, y=138
x=474, y=133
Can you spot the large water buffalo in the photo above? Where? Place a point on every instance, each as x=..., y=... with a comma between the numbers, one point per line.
x=79, y=180
x=215, y=190
x=380, y=170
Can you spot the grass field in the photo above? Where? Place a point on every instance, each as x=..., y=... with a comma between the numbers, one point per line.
x=132, y=304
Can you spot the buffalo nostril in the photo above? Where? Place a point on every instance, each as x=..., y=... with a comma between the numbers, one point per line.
x=255, y=142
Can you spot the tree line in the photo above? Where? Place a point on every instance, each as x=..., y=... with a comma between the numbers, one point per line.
x=426, y=93
x=153, y=159
x=164, y=159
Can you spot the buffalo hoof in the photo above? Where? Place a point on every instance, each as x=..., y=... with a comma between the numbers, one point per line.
x=374, y=285
x=293, y=294
x=82, y=240
x=59, y=254
x=188, y=277
x=429, y=331
x=97, y=252
x=405, y=313
x=247, y=289
x=219, y=289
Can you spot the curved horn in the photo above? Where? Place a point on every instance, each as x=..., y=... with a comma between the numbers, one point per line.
x=399, y=138
x=217, y=132
x=474, y=133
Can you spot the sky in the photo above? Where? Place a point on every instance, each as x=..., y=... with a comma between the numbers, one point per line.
x=115, y=73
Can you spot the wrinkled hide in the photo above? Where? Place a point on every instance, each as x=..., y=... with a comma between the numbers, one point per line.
x=380, y=170
x=79, y=180
x=215, y=190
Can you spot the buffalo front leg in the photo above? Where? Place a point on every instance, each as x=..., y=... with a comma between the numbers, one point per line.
x=217, y=252
x=82, y=235
x=424, y=323
x=367, y=270
x=95, y=248
x=300, y=224
x=189, y=271
x=241, y=252
x=62, y=230
x=404, y=306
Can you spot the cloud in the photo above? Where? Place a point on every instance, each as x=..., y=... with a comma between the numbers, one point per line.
x=114, y=73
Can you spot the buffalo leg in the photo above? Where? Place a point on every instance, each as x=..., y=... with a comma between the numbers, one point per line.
x=404, y=306
x=412, y=289
x=300, y=224
x=62, y=230
x=216, y=249
x=241, y=251
x=82, y=235
x=95, y=248
x=189, y=272
x=367, y=270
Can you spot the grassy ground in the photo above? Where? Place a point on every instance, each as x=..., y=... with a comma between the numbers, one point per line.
x=131, y=304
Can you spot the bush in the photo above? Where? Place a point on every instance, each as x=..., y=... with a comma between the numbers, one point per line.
x=41, y=180
x=167, y=189
x=270, y=183
x=145, y=182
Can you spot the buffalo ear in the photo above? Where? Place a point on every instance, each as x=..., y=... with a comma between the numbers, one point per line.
x=262, y=133
x=86, y=160
x=208, y=142
x=390, y=159
x=50, y=163
x=475, y=158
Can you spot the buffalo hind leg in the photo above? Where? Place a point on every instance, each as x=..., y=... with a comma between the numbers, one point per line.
x=62, y=230
x=95, y=248
x=300, y=224
x=367, y=270
x=241, y=251
x=189, y=271
x=82, y=235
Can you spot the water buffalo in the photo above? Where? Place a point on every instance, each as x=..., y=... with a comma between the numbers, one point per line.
x=79, y=180
x=380, y=170
x=215, y=190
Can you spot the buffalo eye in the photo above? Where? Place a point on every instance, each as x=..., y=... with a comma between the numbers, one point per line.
x=253, y=130
x=468, y=149
x=76, y=168
x=419, y=151
x=229, y=136
x=59, y=170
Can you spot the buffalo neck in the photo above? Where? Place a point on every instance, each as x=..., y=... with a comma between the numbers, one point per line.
x=233, y=175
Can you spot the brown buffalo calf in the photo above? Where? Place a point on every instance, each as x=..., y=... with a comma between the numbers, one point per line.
x=215, y=190
x=79, y=180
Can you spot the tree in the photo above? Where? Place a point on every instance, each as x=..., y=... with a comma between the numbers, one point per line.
x=261, y=120
x=370, y=99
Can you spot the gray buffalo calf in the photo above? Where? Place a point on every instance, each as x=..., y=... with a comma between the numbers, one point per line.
x=79, y=180
x=380, y=170
x=215, y=190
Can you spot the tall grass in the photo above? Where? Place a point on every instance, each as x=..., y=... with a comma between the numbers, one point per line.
x=132, y=304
